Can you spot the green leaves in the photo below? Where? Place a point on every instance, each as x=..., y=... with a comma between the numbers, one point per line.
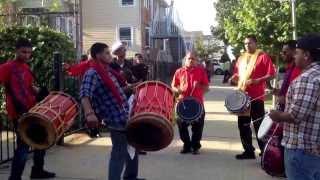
x=45, y=42
x=269, y=20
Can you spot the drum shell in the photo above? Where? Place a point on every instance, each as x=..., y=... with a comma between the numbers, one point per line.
x=272, y=161
x=152, y=109
x=53, y=115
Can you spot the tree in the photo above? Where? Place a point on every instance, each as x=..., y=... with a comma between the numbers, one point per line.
x=205, y=49
x=269, y=20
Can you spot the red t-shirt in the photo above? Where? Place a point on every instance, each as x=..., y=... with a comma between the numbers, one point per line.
x=19, y=78
x=295, y=73
x=185, y=78
x=263, y=67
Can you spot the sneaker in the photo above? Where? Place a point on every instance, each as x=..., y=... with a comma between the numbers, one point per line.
x=185, y=151
x=246, y=155
x=41, y=174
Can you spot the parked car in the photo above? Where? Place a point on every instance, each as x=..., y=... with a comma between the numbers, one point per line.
x=217, y=68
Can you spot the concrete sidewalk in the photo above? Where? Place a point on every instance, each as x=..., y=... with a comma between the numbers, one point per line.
x=83, y=158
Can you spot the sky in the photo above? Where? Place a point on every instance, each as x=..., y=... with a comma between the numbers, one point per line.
x=196, y=15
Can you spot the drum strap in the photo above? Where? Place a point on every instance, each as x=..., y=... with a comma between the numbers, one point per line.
x=247, y=63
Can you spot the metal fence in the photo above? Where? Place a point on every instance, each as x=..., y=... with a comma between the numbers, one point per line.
x=7, y=140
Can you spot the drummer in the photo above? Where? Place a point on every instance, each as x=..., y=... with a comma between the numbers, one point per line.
x=102, y=96
x=251, y=72
x=18, y=80
x=191, y=78
x=301, y=118
x=292, y=72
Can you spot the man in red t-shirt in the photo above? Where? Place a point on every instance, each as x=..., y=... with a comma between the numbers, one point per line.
x=251, y=72
x=18, y=80
x=192, y=78
x=292, y=72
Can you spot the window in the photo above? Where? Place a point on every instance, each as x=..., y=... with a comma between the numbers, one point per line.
x=127, y=2
x=125, y=36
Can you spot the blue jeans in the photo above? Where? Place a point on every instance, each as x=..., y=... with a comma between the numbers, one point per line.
x=301, y=166
x=120, y=158
x=20, y=159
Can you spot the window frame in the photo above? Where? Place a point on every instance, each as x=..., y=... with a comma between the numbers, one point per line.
x=129, y=45
x=128, y=5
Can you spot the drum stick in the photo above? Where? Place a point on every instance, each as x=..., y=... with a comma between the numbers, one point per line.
x=268, y=92
x=256, y=120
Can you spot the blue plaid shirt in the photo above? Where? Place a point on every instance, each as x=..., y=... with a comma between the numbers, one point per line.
x=102, y=100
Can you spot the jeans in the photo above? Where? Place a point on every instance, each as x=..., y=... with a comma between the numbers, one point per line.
x=300, y=165
x=120, y=158
x=196, y=128
x=20, y=159
x=257, y=111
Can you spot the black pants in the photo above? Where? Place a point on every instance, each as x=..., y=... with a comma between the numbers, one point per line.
x=257, y=112
x=196, y=128
x=21, y=156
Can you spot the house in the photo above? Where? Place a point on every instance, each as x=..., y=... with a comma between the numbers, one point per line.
x=112, y=20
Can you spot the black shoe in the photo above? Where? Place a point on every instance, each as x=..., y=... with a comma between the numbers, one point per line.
x=246, y=155
x=12, y=178
x=185, y=151
x=195, y=151
x=41, y=174
x=142, y=153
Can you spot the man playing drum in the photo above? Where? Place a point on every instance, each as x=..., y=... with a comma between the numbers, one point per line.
x=18, y=80
x=301, y=118
x=191, y=80
x=102, y=96
x=292, y=72
x=251, y=72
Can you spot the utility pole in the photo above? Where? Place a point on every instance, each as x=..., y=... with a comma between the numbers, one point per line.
x=294, y=19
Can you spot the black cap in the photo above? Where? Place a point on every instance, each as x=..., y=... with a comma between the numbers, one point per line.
x=309, y=43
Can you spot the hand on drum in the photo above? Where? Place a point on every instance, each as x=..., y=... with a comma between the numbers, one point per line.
x=92, y=121
x=275, y=115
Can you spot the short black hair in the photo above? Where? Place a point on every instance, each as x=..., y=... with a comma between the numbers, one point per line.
x=253, y=37
x=138, y=55
x=97, y=48
x=292, y=44
x=22, y=42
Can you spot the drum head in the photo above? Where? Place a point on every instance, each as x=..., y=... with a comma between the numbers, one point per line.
x=236, y=101
x=265, y=126
x=189, y=109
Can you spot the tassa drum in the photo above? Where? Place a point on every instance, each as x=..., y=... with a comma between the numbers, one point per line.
x=150, y=125
x=46, y=122
x=189, y=110
x=238, y=103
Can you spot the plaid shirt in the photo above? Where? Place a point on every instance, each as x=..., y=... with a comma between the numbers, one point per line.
x=303, y=104
x=102, y=100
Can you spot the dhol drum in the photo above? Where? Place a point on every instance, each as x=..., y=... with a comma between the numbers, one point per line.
x=272, y=161
x=189, y=110
x=269, y=128
x=150, y=125
x=46, y=122
x=238, y=102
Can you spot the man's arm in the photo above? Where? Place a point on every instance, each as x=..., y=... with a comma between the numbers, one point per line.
x=86, y=93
